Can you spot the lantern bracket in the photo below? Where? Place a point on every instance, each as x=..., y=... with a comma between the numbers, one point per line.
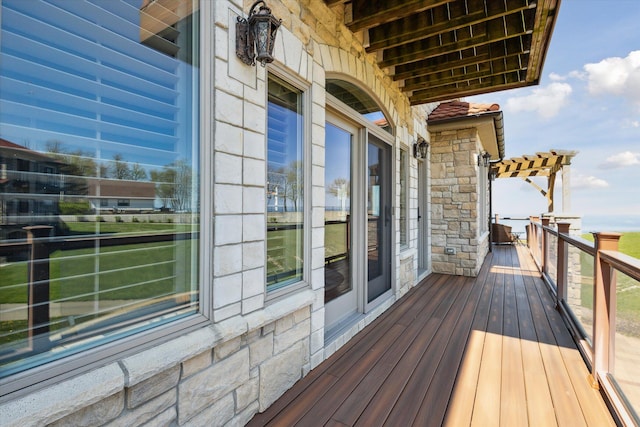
x=257, y=32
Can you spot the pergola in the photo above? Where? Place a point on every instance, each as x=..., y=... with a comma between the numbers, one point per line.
x=540, y=164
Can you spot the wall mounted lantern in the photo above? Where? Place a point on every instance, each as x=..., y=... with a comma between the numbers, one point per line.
x=256, y=35
x=484, y=159
x=420, y=149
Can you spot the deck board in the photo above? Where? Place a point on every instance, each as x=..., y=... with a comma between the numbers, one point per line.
x=454, y=351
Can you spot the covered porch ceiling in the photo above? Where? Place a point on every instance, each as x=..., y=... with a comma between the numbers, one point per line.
x=445, y=49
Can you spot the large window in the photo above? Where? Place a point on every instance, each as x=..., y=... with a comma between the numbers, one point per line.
x=98, y=102
x=285, y=185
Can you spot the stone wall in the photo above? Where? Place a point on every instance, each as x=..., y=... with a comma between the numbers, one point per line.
x=185, y=382
x=454, y=202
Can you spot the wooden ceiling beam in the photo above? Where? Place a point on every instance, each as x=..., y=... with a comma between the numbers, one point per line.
x=441, y=63
x=497, y=29
x=464, y=74
x=371, y=13
x=484, y=86
x=426, y=24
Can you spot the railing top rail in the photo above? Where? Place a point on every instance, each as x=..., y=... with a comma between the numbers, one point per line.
x=550, y=229
x=622, y=262
x=579, y=242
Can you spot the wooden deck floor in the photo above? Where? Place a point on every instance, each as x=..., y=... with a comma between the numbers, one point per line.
x=454, y=351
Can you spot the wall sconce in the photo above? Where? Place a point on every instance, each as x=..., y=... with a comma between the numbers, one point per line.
x=484, y=159
x=256, y=36
x=421, y=149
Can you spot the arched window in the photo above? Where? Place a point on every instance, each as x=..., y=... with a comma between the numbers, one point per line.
x=360, y=101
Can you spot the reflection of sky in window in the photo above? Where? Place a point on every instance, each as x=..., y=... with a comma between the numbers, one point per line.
x=94, y=88
x=338, y=162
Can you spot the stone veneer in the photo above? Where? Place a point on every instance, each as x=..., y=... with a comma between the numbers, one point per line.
x=454, y=202
x=254, y=349
x=203, y=378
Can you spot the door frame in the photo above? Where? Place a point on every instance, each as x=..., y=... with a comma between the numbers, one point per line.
x=340, y=309
x=386, y=250
x=424, y=223
x=336, y=110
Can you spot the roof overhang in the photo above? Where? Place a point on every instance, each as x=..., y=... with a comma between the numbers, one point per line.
x=489, y=125
x=445, y=49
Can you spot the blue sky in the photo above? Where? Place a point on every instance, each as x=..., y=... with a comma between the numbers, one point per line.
x=588, y=100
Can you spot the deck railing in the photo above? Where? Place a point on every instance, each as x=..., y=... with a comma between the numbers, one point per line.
x=592, y=283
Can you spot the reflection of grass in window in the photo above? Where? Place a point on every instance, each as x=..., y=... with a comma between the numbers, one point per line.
x=126, y=272
x=335, y=240
x=20, y=329
x=127, y=227
x=284, y=254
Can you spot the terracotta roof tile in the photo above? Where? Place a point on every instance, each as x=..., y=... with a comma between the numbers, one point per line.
x=459, y=109
x=9, y=144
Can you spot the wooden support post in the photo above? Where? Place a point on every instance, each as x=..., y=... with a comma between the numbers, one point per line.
x=604, y=307
x=38, y=286
x=544, y=255
x=563, y=264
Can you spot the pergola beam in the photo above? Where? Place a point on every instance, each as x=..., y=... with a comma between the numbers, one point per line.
x=546, y=164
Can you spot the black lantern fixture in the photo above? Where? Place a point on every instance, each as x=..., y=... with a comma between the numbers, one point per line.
x=256, y=36
x=420, y=149
x=484, y=159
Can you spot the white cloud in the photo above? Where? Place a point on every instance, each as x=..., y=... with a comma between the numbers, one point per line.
x=557, y=77
x=616, y=76
x=635, y=124
x=546, y=101
x=621, y=160
x=585, y=182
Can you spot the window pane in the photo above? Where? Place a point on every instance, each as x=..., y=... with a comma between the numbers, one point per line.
x=403, y=198
x=337, y=213
x=284, y=185
x=360, y=101
x=99, y=165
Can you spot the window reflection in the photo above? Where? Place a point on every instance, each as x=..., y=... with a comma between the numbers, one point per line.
x=98, y=171
x=337, y=213
x=360, y=101
x=285, y=185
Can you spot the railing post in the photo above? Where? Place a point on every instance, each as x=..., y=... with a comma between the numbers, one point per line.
x=604, y=305
x=544, y=255
x=38, y=286
x=563, y=264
